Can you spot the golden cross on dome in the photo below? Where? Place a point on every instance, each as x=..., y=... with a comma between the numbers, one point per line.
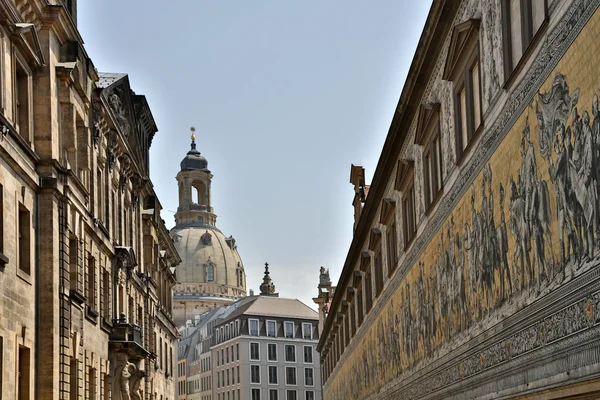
x=193, y=129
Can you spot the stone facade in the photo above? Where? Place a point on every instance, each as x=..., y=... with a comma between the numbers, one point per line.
x=86, y=264
x=478, y=278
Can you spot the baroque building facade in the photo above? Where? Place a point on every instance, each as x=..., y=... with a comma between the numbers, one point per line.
x=473, y=270
x=211, y=273
x=87, y=264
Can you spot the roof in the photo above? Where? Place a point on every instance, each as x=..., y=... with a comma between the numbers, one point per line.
x=108, y=78
x=271, y=306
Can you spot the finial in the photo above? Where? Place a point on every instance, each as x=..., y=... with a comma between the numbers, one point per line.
x=266, y=268
x=193, y=129
x=267, y=288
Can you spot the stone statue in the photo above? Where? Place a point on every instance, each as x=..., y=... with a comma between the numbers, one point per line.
x=129, y=382
x=324, y=278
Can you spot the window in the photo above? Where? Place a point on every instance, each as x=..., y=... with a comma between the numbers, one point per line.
x=273, y=394
x=254, y=351
x=290, y=353
x=105, y=299
x=227, y=355
x=24, y=369
x=378, y=264
x=308, y=354
x=24, y=240
x=307, y=331
x=255, y=394
x=291, y=395
x=238, y=373
x=392, y=246
x=521, y=21
x=253, y=327
x=1, y=358
x=462, y=68
x=255, y=374
x=359, y=304
x=91, y=282
x=290, y=376
x=3, y=260
x=310, y=395
x=210, y=273
x=271, y=329
x=309, y=379
x=227, y=377
x=272, y=352
x=273, y=375
x=237, y=351
x=22, y=98
x=428, y=137
x=405, y=184
x=288, y=329
x=366, y=268
x=92, y=382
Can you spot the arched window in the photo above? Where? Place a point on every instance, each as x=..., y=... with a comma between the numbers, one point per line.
x=210, y=273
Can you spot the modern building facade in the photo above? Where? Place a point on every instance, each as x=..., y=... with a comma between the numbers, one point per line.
x=260, y=347
x=86, y=265
x=211, y=273
x=473, y=268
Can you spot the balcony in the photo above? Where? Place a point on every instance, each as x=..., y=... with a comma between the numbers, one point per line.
x=128, y=337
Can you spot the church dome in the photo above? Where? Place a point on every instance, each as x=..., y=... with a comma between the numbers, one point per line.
x=209, y=258
x=193, y=160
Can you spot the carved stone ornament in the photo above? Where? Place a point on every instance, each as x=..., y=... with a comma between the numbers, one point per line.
x=119, y=111
x=98, y=112
x=111, y=148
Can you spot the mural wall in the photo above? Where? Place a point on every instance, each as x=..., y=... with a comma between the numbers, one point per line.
x=528, y=224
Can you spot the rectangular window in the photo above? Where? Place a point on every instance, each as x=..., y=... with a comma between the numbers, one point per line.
x=368, y=290
x=227, y=373
x=308, y=354
x=24, y=369
x=92, y=383
x=1, y=207
x=227, y=355
x=475, y=85
x=309, y=379
x=74, y=379
x=237, y=351
x=291, y=395
x=288, y=329
x=310, y=395
x=253, y=323
x=254, y=351
x=306, y=331
x=255, y=374
x=273, y=394
x=378, y=269
x=273, y=379
x=1, y=365
x=272, y=352
x=409, y=213
x=521, y=21
x=91, y=282
x=290, y=376
x=359, y=303
x=255, y=394
x=464, y=129
x=238, y=373
x=271, y=329
x=290, y=353
x=22, y=100
x=24, y=239
x=392, y=246
x=105, y=299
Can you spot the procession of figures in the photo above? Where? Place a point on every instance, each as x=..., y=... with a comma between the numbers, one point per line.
x=480, y=262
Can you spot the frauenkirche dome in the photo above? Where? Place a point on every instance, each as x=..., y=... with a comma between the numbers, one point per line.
x=211, y=272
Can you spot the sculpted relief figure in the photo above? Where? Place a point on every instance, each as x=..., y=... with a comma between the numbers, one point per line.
x=129, y=382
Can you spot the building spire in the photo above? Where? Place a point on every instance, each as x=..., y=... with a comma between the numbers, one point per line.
x=267, y=288
x=193, y=130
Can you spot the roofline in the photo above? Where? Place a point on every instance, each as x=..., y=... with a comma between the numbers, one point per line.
x=437, y=26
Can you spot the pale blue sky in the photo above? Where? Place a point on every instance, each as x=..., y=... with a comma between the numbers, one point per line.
x=284, y=94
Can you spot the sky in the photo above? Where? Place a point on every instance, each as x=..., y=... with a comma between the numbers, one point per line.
x=285, y=95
